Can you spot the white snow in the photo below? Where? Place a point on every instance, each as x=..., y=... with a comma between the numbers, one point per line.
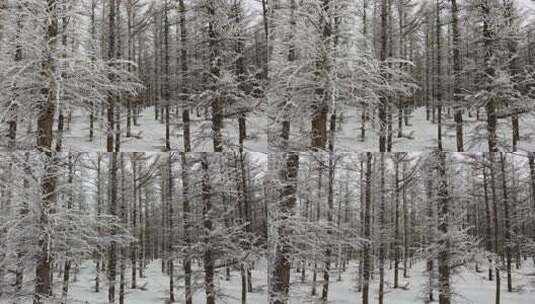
x=149, y=135
x=470, y=287
x=423, y=133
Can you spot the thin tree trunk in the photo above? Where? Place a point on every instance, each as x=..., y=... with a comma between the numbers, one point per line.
x=382, y=57
x=495, y=222
x=506, y=226
x=488, y=217
x=124, y=222
x=367, y=214
x=133, y=245
x=444, y=296
x=406, y=235
x=171, y=267
x=438, y=75
x=457, y=69
x=430, y=234
x=208, y=256
x=111, y=56
x=188, y=291
x=215, y=70
x=112, y=250
x=166, y=90
x=184, y=70
x=68, y=262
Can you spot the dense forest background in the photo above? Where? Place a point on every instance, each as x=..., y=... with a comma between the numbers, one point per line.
x=267, y=151
x=219, y=75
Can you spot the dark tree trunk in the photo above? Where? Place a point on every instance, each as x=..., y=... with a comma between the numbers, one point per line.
x=188, y=291
x=112, y=250
x=215, y=70
x=506, y=226
x=438, y=75
x=366, y=265
x=444, y=296
x=184, y=71
x=382, y=229
x=166, y=90
x=208, y=256
x=170, y=217
x=281, y=268
x=382, y=57
x=45, y=122
x=488, y=217
x=457, y=69
x=111, y=56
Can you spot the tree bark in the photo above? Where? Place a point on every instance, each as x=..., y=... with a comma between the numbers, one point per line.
x=215, y=70
x=171, y=266
x=188, y=291
x=382, y=229
x=111, y=56
x=382, y=57
x=367, y=213
x=166, y=90
x=438, y=75
x=184, y=77
x=457, y=69
x=112, y=250
x=506, y=226
x=280, y=282
x=444, y=296
x=208, y=256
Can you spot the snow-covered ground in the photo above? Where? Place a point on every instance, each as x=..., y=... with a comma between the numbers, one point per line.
x=149, y=134
x=470, y=287
x=421, y=134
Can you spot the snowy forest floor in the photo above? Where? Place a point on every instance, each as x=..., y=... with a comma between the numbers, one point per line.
x=470, y=287
x=421, y=134
x=149, y=134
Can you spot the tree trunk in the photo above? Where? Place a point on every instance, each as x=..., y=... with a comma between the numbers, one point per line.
x=68, y=262
x=320, y=108
x=215, y=70
x=280, y=281
x=171, y=267
x=457, y=69
x=93, y=59
x=184, y=70
x=45, y=122
x=406, y=234
x=382, y=57
x=430, y=234
x=166, y=90
x=208, y=256
x=488, y=38
x=438, y=75
x=382, y=230
x=397, y=253
x=495, y=222
x=111, y=56
x=133, y=246
x=367, y=217
x=506, y=226
x=488, y=217
x=124, y=222
x=188, y=291
x=444, y=296
x=112, y=250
